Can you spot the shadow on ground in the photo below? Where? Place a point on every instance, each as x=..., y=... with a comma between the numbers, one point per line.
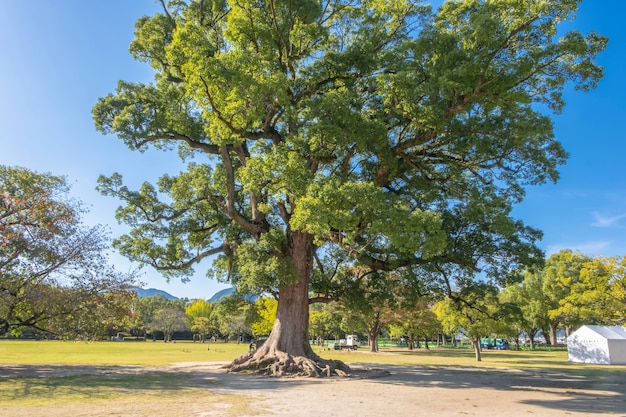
x=543, y=390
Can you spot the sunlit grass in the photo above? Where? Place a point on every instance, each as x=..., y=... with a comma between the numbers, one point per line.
x=116, y=353
x=159, y=354
x=464, y=358
x=58, y=375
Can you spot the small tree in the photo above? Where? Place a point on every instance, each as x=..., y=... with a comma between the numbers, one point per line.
x=168, y=321
x=524, y=321
x=234, y=316
x=144, y=310
x=368, y=300
x=199, y=314
x=472, y=312
x=417, y=321
x=325, y=320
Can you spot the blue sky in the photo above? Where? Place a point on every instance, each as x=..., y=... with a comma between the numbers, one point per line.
x=60, y=56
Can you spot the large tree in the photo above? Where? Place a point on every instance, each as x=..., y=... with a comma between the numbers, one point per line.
x=54, y=274
x=324, y=125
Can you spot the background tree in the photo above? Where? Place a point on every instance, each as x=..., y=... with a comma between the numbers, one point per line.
x=334, y=125
x=618, y=289
x=325, y=321
x=266, y=312
x=589, y=299
x=168, y=320
x=99, y=318
x=528, y=297
x=417, y=321
x=473, y=312
x=596, y=296
x=201, y=327
x=145, y=310
x=561, y=273
x=199, y=313
x=368, y=301
x=234, y=316
x=54, y=274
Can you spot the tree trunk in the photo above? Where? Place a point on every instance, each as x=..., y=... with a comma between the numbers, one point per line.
x=373, y=333
x=476, y=346
x=553, y=326
x=373, y=342
x=287, y=351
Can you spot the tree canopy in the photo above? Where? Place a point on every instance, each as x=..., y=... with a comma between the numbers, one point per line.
x=357, y=129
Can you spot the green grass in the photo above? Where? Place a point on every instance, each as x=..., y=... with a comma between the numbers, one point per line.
x=511, y=359
x=113, y=386
x=159, y=354
x=115, y=353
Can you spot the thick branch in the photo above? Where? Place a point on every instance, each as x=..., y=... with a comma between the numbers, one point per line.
x=229, y=209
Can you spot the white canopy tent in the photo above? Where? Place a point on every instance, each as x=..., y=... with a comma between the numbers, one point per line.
x=598, y=344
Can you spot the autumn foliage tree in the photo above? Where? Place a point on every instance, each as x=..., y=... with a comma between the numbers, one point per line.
x=54, y=274
x=329, y=125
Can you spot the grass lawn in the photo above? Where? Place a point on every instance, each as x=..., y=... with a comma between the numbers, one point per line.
x=159, y=354
x=113, y=389
x=155, y=354
x=462, y=358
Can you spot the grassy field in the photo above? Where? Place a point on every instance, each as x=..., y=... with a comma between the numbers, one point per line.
x=159, y=354
x=112, y=390
x=115, y=353
x=117, y=390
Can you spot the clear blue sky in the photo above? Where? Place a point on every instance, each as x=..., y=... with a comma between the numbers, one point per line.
x=60, y=56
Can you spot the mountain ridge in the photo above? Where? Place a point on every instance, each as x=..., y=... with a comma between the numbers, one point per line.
x=151, y=292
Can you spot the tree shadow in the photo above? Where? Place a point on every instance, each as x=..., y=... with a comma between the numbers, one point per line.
x=51, y=381
x=595, y=391
x=592, y=391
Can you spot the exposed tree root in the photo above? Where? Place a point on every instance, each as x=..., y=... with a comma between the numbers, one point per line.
x=277, y=363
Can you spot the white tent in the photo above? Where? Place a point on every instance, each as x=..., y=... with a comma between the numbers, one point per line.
x=598, y=344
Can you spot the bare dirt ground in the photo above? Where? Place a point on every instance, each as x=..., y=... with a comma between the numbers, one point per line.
x=373, y=390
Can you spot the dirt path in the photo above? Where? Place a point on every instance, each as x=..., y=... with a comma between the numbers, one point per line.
x=388, y=390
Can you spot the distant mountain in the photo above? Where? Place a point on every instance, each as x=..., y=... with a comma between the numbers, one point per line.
x=230, y=291
x=220, y=294
x=151, y=292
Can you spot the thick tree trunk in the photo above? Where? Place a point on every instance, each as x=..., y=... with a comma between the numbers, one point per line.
x=287, y=351
x=373, y=333
x=373, y=342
